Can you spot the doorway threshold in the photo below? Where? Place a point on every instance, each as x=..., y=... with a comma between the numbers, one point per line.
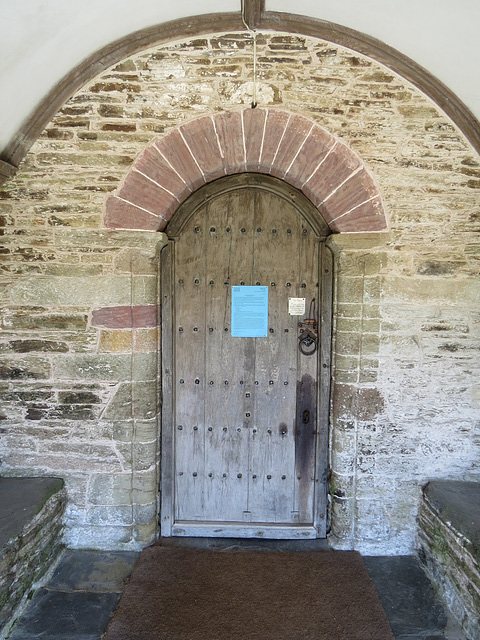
x=245, y=544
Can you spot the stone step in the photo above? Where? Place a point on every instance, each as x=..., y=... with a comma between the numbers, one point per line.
x=31, y=526
x=449, y=541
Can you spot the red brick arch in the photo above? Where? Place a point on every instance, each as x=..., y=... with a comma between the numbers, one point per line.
x=272, y=141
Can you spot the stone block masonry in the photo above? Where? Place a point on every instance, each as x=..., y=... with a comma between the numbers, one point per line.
x=82, y=397
x=79, y=300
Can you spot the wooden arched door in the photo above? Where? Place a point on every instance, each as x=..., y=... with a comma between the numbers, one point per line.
x=246, y=308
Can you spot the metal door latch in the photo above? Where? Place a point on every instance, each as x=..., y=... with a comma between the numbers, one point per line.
x=308, y=332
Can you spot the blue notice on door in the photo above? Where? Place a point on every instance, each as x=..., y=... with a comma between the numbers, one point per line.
x=249, y=312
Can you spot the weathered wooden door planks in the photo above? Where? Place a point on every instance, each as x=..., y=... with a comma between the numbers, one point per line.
x=244, y=441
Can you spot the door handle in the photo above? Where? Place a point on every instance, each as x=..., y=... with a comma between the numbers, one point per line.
x=308, y=334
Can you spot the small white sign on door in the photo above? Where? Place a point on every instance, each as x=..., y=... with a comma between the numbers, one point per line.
x=296, y=306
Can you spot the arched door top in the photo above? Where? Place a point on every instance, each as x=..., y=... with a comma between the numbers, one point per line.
x=269, y=141
x=292, y=197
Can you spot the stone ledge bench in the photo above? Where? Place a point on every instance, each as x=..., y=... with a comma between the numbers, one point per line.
x=449, y=547
x=31, y=525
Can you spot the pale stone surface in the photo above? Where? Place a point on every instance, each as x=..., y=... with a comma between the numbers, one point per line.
x=406, y=314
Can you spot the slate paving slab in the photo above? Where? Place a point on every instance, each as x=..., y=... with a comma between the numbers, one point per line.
x=79, y=599
x=97, y=571
x=86, y=587
x=57, y=615
x=409, y=599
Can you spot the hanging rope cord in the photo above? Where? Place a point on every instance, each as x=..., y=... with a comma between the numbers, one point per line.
x=253, y=33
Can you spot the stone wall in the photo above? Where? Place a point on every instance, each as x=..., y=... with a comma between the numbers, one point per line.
x=79, y=395
x=79, y=373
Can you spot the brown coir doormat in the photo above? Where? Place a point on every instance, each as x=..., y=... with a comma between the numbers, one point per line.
x=185, y=594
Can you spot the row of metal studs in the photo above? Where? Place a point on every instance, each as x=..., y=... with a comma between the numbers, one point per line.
x=242, y=283
x=211, y=330
x=243, y=230
x=239, y=475
x=226, y=383
x=225, y=429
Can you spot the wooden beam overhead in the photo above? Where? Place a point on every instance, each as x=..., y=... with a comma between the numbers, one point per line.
x=252, y=11
x=7, y=171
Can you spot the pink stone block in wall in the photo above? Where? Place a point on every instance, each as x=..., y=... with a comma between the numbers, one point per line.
x=123, y=215
x=253, y=127
x=230, y=135
x=294, y=136
x=126, y=317
x=201, y=138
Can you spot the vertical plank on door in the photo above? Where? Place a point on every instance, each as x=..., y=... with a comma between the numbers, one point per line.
x=228, y=263
x=189, y=331
x=324, y=364
x=167, y=400
x=273, y=444
x=306, y=410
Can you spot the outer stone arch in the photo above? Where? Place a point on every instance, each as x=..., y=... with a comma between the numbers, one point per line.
x=272, y=141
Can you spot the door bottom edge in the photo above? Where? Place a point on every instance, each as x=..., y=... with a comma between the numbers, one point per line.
x=236, y=530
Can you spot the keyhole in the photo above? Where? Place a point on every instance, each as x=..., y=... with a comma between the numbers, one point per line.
x=306, y=416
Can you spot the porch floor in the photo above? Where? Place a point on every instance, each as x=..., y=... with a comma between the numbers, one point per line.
x=85, y=588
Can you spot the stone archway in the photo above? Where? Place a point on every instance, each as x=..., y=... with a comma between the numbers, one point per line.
x=275, y=142
x=270, y=141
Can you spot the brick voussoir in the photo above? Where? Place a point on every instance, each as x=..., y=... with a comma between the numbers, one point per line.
x=153, y=165
x=202, y=141
x=295, y=135
x=229, y=129
x=253, y=131
x=338, y=166
x=367, y=217
x=314, y=150
x=178, y=155
x=356, y=190
x=275, y=126
x=142, y=192
x=120, y=214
